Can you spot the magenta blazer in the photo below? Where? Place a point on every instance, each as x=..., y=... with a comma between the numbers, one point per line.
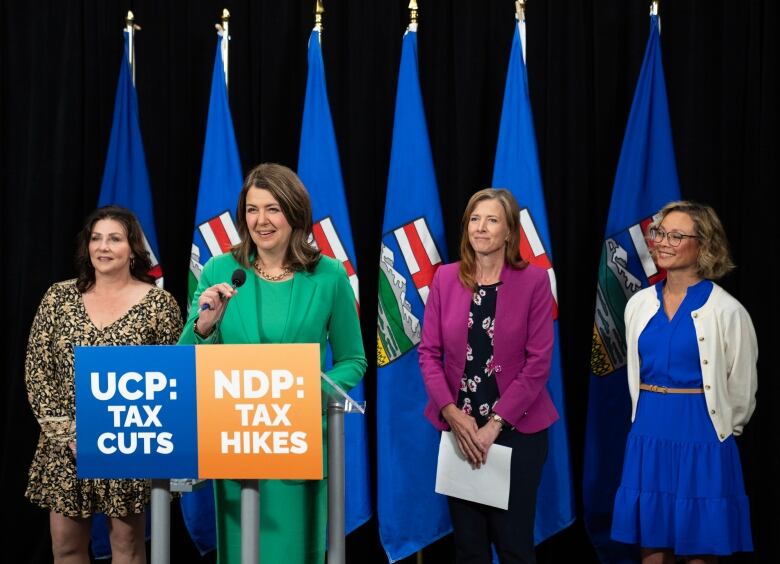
x=522, y=346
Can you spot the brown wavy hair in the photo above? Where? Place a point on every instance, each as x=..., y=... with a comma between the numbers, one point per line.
x=468, y=261
x=714, y=259
x=141, y=262
x=287, y=189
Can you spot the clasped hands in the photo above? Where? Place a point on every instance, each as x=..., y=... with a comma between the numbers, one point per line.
x=474, y=442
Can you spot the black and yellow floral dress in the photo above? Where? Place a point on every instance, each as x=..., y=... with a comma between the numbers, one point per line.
x=60, y=324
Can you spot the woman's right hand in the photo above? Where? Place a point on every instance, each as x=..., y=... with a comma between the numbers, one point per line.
x=217, y=297
x=465, y=429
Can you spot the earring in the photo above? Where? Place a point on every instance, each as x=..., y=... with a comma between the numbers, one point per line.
x=132, y=263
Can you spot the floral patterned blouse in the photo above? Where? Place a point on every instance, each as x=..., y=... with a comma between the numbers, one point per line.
x=60, y=324
x=478, y=388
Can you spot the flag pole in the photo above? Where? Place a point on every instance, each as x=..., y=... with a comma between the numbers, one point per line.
x=131, y=28
x=413, y=27
x=224, y=28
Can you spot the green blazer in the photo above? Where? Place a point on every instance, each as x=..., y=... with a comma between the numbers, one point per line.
x=322, y=309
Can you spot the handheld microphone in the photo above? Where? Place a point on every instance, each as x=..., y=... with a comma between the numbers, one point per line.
x=237, y=280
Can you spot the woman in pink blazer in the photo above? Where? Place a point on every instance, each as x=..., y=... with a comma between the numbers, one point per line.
x=485, y=357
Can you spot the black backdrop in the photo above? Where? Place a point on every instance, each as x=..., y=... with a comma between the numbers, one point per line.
x=58, y=69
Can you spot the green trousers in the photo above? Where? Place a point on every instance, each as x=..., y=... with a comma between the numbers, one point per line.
x=293, y=516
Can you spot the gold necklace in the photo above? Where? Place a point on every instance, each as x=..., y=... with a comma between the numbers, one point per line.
x=275, y=278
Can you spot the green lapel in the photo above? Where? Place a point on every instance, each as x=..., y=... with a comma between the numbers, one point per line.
x=303, y=291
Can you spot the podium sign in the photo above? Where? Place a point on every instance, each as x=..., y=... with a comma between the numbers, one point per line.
x=259, y=411
x=209, y=411
x=135, y=412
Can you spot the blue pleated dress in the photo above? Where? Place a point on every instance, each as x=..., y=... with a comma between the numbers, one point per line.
x=682, y=488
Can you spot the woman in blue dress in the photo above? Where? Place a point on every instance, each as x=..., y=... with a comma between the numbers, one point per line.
x=691, y=361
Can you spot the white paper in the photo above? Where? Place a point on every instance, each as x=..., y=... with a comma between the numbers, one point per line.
x=488, y=484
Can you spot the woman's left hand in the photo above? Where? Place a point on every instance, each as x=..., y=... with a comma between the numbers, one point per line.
x=487, y=435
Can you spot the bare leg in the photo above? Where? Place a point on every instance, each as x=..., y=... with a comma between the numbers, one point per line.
x=128, y=539
x=69, y=539
x=657, y=556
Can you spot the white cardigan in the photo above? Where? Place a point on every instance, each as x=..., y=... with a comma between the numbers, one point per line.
x=727, y=349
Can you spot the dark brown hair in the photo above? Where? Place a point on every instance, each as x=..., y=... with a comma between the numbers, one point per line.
x=287, y=189
x=140, y=264
x=512, y=248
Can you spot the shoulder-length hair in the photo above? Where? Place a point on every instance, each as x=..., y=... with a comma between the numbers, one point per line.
x=714, y=259
x=140, y=263
x=287, y=189
x=512, y=256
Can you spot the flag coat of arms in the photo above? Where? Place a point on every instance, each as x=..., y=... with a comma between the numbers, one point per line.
x=320, y=170
x=517, y=169
x=411, y=515
x=646, y=179
x=215, y=232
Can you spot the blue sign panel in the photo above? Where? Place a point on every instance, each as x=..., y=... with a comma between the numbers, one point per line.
x=136, y=414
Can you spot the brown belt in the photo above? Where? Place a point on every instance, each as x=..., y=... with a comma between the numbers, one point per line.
x=665, y=390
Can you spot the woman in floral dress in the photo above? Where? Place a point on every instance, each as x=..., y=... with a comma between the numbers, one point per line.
x=112, y=302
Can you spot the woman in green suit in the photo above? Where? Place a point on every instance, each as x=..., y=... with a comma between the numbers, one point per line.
x=292, y=294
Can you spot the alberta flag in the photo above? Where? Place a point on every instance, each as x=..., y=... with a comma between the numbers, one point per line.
x=320, y=170
x=125, y=177
x=411, y=515
x=126, y=183
x=214, y=233
x=646, y=179
x=517, y=169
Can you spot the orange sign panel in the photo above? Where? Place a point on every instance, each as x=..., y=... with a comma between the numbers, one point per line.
x=259, y=411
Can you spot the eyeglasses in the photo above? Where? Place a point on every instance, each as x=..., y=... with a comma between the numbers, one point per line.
x=658, y=235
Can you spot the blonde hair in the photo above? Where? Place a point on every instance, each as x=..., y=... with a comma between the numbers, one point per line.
x=512, y=256
x=714, y=259
x=287, y=189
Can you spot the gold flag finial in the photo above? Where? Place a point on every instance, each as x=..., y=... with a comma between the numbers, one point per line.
x=520, y=10
x=130, y=22
x=654, y=12
x=224, y=28
x=130, y=29
x=319, y=9
x=413, y=12
x=224, y=21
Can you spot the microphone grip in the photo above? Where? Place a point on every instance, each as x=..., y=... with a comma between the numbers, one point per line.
x=206, y=306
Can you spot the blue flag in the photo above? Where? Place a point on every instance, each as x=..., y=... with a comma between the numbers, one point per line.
x=646, y=179
x=215, y=232
x=126, y=183
x=517, y=169
x=320, y=170
x=125, y=177
x=411, y=515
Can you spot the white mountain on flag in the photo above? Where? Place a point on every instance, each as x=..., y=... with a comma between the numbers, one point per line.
x=398, y=330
